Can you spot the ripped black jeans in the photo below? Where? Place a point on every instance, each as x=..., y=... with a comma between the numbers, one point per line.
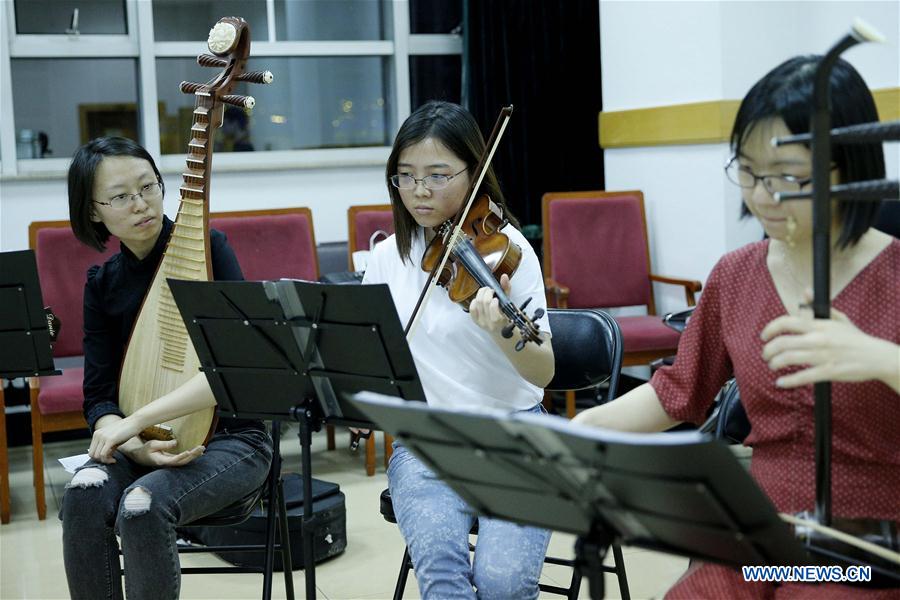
x=144, y=506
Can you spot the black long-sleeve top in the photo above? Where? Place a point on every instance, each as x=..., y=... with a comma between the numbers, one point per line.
x=112, y=298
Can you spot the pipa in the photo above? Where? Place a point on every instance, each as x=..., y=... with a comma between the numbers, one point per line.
x=160, y=357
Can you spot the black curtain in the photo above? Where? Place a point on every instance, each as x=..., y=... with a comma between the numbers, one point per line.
x=543, y=57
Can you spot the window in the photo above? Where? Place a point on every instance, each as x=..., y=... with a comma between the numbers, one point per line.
x=315, y=102
x=427, y=16
x=331, y=20
x=70, y=17
x=68, y=101
x=435, y=78
x=190, y=21
x=338, y=84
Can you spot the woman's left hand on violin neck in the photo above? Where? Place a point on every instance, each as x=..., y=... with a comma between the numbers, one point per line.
x=534, y=362
x=485, y=308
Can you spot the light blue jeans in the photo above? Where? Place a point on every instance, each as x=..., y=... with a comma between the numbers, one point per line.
x=435, y=523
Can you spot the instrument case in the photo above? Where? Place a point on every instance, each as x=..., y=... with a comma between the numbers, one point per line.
x=329, y=532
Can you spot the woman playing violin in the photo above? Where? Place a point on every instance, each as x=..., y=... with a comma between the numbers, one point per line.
x=462, y=358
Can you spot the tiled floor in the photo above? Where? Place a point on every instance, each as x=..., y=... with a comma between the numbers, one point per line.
x=31, y=550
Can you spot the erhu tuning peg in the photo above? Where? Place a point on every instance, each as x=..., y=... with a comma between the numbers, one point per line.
x=242, y=101
x=256, y=77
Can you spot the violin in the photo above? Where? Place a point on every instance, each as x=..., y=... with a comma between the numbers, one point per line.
x=471, y=242
x=478, y=257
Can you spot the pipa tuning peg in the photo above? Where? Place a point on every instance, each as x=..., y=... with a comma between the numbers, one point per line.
x=256, y=77
x=208, y=60
x=189, y=88
x=242, y=101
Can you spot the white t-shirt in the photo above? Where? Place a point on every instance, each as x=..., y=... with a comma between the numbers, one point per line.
x=459, y=364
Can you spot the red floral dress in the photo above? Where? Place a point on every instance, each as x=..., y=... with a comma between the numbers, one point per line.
x=722, y=340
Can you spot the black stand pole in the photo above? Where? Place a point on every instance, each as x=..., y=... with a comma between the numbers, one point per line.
x=590, y=552
x=304, y=416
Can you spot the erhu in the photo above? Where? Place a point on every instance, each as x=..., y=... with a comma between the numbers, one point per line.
x=160, y=357
x=848, y=541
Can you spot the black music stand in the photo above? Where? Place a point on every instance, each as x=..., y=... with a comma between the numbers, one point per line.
x=276, y=349
x=24, y=334
x=679, y=493
x=24, y=340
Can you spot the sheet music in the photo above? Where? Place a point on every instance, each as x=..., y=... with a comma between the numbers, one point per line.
x=70, y=463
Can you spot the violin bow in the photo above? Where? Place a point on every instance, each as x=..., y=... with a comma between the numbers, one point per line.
x=474, y=186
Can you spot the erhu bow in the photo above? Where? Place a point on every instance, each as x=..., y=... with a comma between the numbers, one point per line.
x=160, y=356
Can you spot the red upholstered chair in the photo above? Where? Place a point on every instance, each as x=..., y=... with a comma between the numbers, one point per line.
x=596, y=255
x=362, y=222
x=271, y=243
x=57, y=402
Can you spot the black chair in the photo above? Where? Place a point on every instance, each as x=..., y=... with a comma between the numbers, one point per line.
x=587, y=349
x=728, y=420
x=241, y=510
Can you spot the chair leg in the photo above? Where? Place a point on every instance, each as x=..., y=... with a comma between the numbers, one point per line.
x=547, y=401
x=4, y=462
x=620, y=572
x=275, y=490
x=329, y=435
x=370, y=455
x=388, y=449
x=405, y=568
x=37, y=445
x=570, y=404
x=575, y=584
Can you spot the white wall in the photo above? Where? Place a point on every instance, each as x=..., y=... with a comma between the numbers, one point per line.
x=662, y=53
x=328, y=192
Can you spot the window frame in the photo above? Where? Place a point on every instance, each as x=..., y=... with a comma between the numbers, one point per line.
x=139, y=44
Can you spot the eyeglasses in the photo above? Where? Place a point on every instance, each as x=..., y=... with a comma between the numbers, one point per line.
x=743, y=177
x=149, y=193
x=431, y=182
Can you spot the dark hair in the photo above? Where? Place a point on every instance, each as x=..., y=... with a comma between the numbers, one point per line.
x=81, y=185
x=455, y=128
x=786, y=92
